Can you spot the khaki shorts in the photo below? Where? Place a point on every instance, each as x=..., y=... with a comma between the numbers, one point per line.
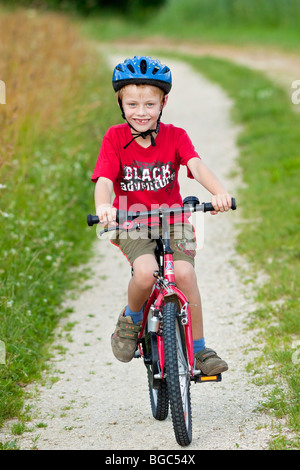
x=136, y=243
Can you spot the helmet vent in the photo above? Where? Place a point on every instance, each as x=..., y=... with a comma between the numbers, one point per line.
x=143, y=66
x=131, y=68
x=155, y=70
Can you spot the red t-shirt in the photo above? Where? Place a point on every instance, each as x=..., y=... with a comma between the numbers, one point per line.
x=144, y=178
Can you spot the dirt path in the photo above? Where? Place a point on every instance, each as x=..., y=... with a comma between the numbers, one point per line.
x=99, y=403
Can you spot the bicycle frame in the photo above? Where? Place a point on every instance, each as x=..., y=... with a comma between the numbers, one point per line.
x=165, y=287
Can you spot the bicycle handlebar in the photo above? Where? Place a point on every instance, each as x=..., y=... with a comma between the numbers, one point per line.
x=124, y=216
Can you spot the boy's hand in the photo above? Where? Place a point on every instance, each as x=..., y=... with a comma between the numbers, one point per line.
x=107, y=214
x=221, y=203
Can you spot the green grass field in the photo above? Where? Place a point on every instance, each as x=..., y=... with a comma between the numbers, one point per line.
x=243, y=22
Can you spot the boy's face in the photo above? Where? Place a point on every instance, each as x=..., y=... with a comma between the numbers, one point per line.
x=142, y=105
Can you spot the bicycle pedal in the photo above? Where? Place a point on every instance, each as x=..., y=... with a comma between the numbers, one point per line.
x=207, y=378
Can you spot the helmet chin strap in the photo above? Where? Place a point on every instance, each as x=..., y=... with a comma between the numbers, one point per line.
x=137, y=134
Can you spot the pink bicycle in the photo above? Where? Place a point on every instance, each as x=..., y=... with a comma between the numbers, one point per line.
x=165, y=341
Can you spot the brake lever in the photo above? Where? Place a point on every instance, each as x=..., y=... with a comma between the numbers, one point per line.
x=126, y=227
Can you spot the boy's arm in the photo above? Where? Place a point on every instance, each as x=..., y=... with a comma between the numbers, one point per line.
x=103, y=195
x=221, y=200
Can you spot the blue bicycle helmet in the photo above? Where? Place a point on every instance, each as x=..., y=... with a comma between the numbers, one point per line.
x=142, y=70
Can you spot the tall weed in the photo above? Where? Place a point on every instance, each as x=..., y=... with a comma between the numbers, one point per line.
x=41, y=62
x=51, y=125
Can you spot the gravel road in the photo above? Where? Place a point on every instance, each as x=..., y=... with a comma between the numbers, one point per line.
x=97, y=402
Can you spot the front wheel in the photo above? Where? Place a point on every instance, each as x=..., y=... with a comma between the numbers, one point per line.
x=177, y=374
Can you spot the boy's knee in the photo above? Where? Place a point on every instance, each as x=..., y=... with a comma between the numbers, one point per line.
x=143, y=277
x=184, y=273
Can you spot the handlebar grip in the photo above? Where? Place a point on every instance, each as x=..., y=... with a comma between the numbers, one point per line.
x=92, y=219
x=208, y=207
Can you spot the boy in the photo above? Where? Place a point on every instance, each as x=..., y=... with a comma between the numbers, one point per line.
x=139, y=161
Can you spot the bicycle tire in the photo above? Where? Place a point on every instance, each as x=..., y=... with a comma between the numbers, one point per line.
x=159, y=399
x=177, y=374
x=158, y=389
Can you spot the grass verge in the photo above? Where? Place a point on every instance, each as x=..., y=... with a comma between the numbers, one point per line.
x=223, y=22
x=269, y=203
x=57, y=109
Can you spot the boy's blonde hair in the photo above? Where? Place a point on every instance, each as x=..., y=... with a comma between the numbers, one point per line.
x=120, y=93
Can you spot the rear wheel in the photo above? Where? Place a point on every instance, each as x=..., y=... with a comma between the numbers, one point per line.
x=158, y=389
x=177, y=374
x=159, y=399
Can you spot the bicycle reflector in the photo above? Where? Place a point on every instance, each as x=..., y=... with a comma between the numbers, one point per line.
x=207, y=378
